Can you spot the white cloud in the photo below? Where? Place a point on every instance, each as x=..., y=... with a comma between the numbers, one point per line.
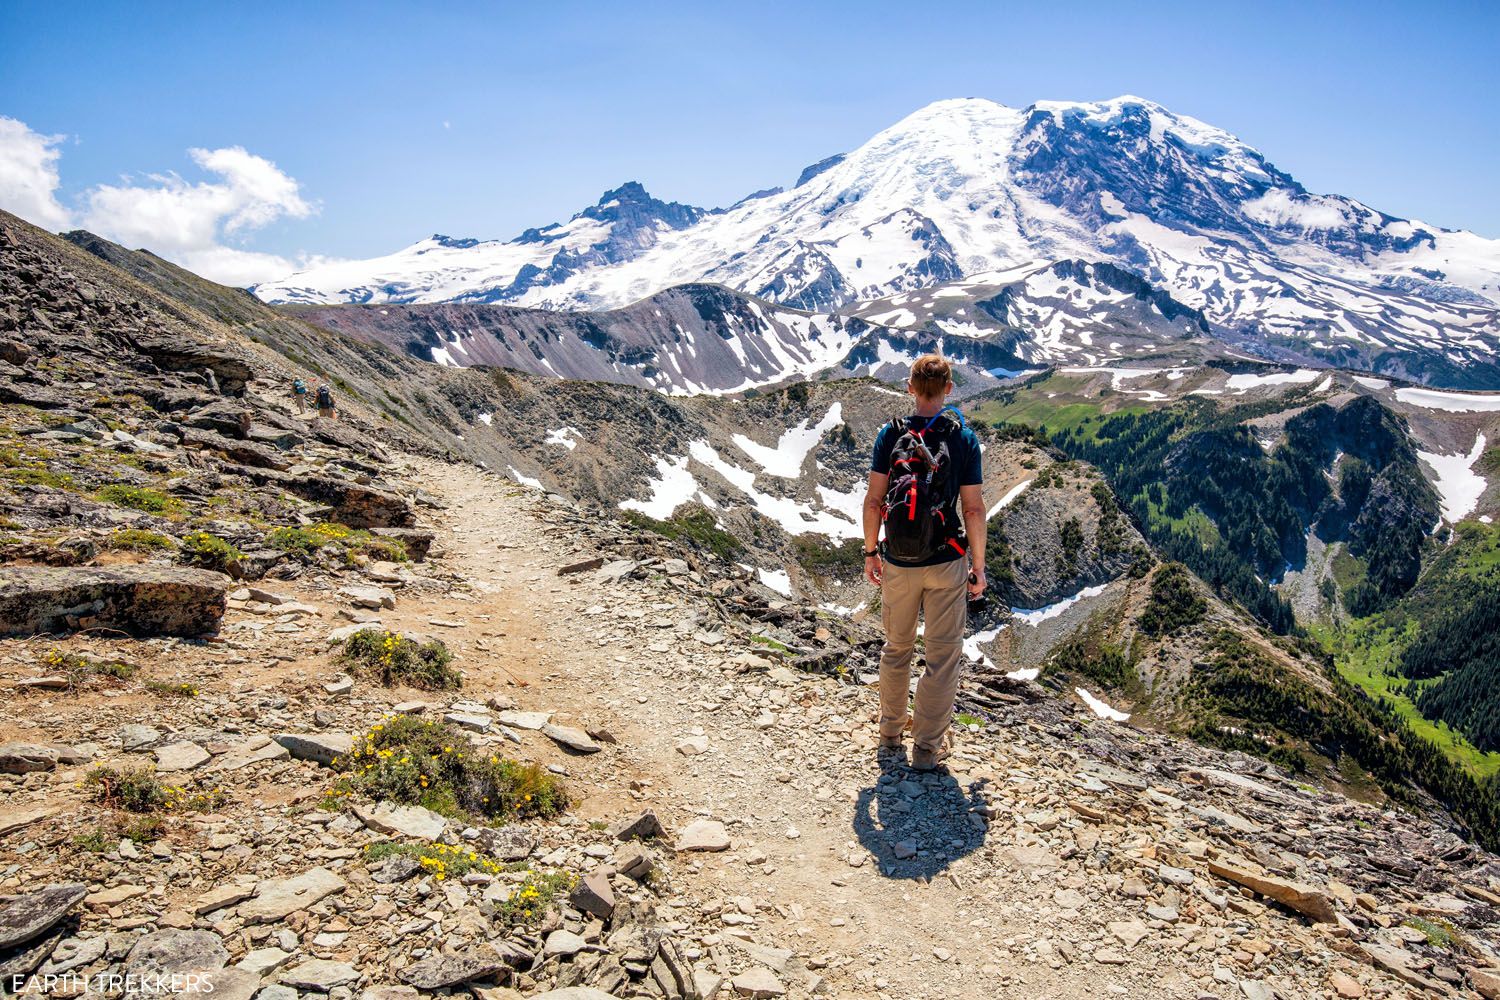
x=28, y=175
x=189, y=222
x=195, y=224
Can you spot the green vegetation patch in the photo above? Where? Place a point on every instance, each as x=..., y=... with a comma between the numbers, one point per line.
x=826, y=559
x=209, y=551
x=139, y=540
x=694, y=527
x=431, y=764
x=393, y=659
x=140, y=498
x=1173, y=605
x=340, y=538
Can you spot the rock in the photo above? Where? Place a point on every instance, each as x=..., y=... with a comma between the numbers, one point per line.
x=524, y=720
x=1108, y=956
x=573, y=993
x=28, y=916
x=758, y=983
x=182, y=756
x=1398, y=962
x=362, y=596
x=22, y=818
x=279, y=992
x=396, y=868
x=572, y=739
x=1305, y=899
x=319, y=974
x=471, y=722
x=75, y=952
x=319, y=747
x=438, y=971
x=704, y=835
x=594, y=895
x=115, y=895
x=1345, y=986
x=563, y=943
x=275, y=900
x=142, y=600
x=24, y=758
x=506, y=843
x=353, y=504
x=417, y=541
x=255, y=750
x=693, y=746
x=1129, y=932
x=137, y=737
x=172, y=951
x=581, y=567
x=641, y=827
x=382, y=571
x=224, y=984
x=1486, y=982
x=264, y=961
x=221, y=896
x=635, y=861
x=405, y=821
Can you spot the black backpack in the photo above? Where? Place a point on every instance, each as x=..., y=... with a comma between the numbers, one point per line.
x=920, y=512
x=325, y=397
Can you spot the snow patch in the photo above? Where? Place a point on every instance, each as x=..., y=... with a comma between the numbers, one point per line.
x=1453, y=402
x=1459, y=486
x=525, y=480
x=675, y=487
x=777, y=579
x=1099, y=708
x=785, y=460
x=1009, y=498
x=1039, y=615
x=568, y=437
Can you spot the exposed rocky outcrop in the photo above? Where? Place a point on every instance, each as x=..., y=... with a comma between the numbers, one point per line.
x=138, y=600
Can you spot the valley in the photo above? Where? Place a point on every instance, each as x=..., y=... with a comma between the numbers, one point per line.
x=567, y=601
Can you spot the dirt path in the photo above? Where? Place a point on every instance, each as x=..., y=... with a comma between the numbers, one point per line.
x=789, y=767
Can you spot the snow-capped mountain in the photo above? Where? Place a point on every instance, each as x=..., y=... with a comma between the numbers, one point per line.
x=967, y=187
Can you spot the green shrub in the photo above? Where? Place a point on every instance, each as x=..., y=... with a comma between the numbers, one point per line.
x=298, y=540
x=136, y=790
x=439, y=860
x=695, y=527
x=417, y=761
x=533, y=896
x=394, y=659
x=823, y=557
x=138, y=540
x=80, y=668
x=1173, y=604
x=209, y=551
x=1105, y=662
x=139, y=498
x=172, y=689
x=345, y=540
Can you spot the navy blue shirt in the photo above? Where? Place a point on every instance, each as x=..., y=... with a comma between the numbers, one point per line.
x=967, y=470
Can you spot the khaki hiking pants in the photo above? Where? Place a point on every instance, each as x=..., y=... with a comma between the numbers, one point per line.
x=940, y=593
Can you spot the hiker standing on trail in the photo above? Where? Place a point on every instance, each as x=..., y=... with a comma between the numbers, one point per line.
x=925, y=490
x=299, y=393
x=325, y=402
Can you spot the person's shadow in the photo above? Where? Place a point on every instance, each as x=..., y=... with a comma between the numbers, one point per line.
x=915, y=825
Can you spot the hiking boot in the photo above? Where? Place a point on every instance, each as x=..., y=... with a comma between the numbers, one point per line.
x=891, y=751
x=923, y=759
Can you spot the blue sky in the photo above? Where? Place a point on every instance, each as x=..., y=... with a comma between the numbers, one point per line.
x=399, y=120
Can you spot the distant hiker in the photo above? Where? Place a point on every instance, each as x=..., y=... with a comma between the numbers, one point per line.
x=299, y=393
x=925, y=490
x=325, y=401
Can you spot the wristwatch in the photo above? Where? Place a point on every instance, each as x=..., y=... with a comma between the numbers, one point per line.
x=872, y=553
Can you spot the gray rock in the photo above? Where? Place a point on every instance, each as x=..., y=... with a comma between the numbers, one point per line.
x=319, y=747
x=396, y=868
x=277, y=899
x=75, y=953
x=640, y=827
x=182, y=756
x=366, y=596
x=144, y=600
x=634, y=860
x=406, y=821
x=24, y=758
x=563, y=943
x=594, y=895
x=137, y=737
x=319, y=974
x=756, y=983
x=277, y=992
x=507, y=843
x=438, y=971
x=524, y=720
x=225, y=984
x=264, y=961
x=171, y=951
x=28, y=916
x=570, y=738
x=703, y=835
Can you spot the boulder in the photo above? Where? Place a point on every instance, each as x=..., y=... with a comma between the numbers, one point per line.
x=19, y=819
x=28, y=916
x=276, y=899
x=351, y=503
x=319, y=974
x=144, y=600
x=1305, y=899
x=362, y=596
x=417, y=541
x=171, y=951
x=506, y=843
x=704, y=835
x=637, y=828
x=594, y=895
x=569, y=738
x=24, y=758
x=183, y=756
x=436, y=972
x=319, y=747
x=406, y=821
